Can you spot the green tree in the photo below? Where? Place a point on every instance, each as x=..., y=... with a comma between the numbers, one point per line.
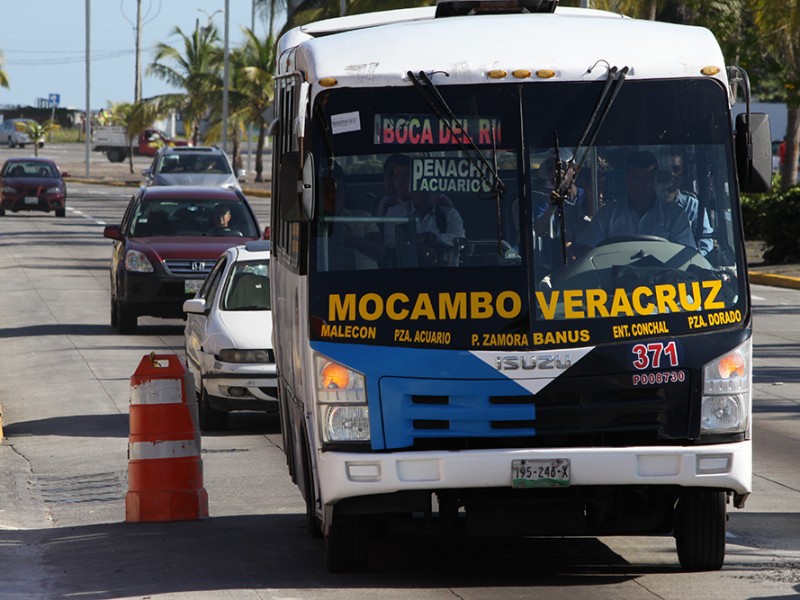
x=778, y=25
x=315, y=10
x=37, y=132
x=269, y=9
x=249, y=95
x=253, y=65
x=193, y=69
x=133, y=117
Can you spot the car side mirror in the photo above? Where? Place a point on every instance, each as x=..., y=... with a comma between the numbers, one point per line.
x=146, y=172
x=112, y=232
x=195, y=306
x=65, y=174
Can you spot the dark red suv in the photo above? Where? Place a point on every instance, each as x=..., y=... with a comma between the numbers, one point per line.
x=168, y=240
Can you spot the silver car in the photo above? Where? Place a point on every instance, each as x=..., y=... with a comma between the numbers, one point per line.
x=192, y=165
x=14, y=133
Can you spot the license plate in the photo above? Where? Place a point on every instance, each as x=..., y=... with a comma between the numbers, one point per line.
x=192, y=286
x=540, y=473
x=31, y=200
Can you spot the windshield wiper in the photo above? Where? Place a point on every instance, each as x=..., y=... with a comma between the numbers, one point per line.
x=445, y=114
x=565, y=177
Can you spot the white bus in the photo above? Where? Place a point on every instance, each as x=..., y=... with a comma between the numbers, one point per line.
x=509, y=283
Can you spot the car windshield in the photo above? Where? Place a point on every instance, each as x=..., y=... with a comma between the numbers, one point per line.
x=29, y=169
x=248, y=287
x=197, y=217
x=194, y=163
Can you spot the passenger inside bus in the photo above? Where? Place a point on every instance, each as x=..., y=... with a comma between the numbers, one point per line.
x=641, y=212
x=395, y=183
x=687, y=200
x=438, y=229
x=354, y=241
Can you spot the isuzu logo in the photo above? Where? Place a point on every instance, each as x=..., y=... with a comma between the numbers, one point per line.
x=529, y=362
x=198, y=266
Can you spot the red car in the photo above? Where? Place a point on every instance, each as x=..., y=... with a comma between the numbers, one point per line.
x=168, y=241
x=32, y=184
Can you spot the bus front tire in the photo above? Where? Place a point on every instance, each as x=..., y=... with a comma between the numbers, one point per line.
x=312, y=522
x=700, y=521
x=347, y=544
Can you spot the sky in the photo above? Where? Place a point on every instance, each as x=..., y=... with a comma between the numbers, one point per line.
x=44, y=45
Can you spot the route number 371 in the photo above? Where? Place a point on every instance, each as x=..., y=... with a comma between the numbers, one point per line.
x=650, y=356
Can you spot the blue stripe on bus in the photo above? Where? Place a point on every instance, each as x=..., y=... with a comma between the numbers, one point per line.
x=416, y=393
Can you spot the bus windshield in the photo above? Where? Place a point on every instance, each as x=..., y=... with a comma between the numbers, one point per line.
x=410, y=234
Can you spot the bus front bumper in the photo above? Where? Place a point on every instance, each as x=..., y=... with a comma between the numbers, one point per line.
x=722, y=467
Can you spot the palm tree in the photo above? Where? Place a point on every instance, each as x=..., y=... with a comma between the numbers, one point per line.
x=133, y=118
x=778, y=25
x=249, y=95
x=192, y=71
x=269, y=10
x=314, y=10
x=3, y=74
x=254, y=64
x=37, y=132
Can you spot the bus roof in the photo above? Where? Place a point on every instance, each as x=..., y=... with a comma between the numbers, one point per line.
x=378, y=49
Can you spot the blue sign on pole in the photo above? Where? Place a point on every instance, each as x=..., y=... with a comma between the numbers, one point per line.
x=54, y=99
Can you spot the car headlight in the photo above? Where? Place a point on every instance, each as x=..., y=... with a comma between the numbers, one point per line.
x=54, y=190
x=234, y=355
x=341, y=395
x=137, y=262
x=725, y=405
x=7, y=189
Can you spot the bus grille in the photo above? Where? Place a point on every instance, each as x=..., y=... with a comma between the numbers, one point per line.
x=570, y=414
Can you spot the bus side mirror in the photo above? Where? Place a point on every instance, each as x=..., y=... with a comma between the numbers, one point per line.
x=754, y=153
x=297, y=188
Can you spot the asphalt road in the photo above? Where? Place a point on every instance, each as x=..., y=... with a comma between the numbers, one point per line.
x=65, y=385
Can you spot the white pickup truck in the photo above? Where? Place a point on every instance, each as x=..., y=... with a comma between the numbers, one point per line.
x=113, y=140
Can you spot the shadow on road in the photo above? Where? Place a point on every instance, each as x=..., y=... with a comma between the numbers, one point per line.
x=275, y=552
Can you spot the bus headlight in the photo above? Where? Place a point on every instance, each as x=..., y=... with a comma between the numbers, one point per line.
x=341, y=396
x=347, y=424
x=725, y=405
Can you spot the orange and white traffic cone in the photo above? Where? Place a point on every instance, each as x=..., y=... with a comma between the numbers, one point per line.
x=165, y=471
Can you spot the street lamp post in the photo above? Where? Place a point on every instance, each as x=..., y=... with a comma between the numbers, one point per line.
x=88, y=113
x=225, y=68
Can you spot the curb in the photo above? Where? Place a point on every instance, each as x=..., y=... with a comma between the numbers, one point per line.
x=774, y=280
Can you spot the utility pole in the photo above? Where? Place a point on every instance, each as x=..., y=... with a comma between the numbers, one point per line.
x=88, y=117
x=225, y=68
x=250, y=125
x=137, y=89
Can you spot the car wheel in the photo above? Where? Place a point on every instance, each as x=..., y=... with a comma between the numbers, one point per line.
x=115, y=155
x=2, y=212
x=347, y=544
x=127, y=320
x=10, y=143
x=211, y=419
x=699, y=524
x=61, y=212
